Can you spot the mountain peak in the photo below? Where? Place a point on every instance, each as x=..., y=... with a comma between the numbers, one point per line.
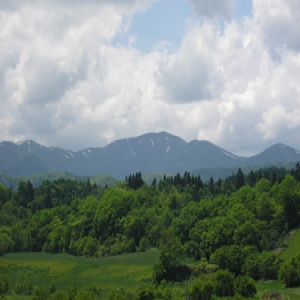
x=153, y=152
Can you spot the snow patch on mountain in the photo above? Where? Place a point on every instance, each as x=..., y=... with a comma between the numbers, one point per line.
x=229, y=155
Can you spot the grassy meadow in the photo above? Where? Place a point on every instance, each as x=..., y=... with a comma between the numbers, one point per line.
x=128, y=271
x=124, y=271
x=293, y=246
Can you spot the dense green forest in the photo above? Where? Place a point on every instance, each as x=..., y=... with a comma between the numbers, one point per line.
x=231, y=226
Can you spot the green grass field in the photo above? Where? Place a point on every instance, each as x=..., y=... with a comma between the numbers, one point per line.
x=129, y=271
x=293, y=247
x=124, y=271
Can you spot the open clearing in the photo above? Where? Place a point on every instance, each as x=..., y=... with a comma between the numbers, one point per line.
x=293, y=247
x=124, y=271
x=128, y=271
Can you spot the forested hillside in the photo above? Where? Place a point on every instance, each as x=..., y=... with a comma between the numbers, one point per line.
x=231, y=223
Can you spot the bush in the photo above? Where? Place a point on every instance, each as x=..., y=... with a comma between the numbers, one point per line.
x=73, y=291
x=86, y=295
x=263, y=265
x=60, y=295
x=244, y=286
x=23, y=286
x=159, y=272
x=40, y=293
x=96, y=290
x=4, y=285
x=146, y=293
x=201, y=290
x=121, y=294
x=223, y=283
x=52, y=288
x=167, y=294
x=144, y=244
x=289, y=273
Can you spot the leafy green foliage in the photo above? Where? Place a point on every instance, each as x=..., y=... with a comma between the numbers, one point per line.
x=201, y=290
x=223, y=283
x=4, y=284
x=228, y=225
x=290, y=272
x=23, y=286
x=263, y=265
x=244, y=286
x=171, y=255
x=60, y=295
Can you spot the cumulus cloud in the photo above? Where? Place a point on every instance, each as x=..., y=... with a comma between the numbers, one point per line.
x=241, y=92
x=64, y=81
x=52, y=51
x=192, y=74
x=279, y=24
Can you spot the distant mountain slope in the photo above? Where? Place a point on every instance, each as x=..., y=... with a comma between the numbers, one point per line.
x=275, y=153
x=149, y=153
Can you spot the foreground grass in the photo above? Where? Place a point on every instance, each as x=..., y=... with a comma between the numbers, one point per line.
x=124, y=271
x=129, y=271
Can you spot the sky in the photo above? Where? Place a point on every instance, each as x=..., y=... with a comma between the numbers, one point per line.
x=77, y=74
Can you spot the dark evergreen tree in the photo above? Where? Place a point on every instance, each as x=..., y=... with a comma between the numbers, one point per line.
x=251, y=179
x=239, y=179
x=211, y=185
x=274, y=178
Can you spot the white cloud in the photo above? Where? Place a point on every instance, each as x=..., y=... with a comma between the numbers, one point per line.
x=192, y=74
x=51, y=52
x=253, y=96
x=279, y=24
x=64, y=82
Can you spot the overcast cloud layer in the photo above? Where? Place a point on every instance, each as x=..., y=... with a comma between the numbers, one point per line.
x=64, y=81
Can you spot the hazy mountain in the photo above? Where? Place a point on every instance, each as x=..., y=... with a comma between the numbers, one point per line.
x=149, y=153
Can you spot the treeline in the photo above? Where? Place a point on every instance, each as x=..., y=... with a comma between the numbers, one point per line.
x=229, y=222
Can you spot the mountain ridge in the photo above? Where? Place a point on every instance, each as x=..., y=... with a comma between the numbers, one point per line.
x=148, y=153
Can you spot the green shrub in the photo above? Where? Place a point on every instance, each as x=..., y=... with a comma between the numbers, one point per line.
x=52, y=288
x=244, y=286
x=263, y=265
x=223, y=283
x=121, y=294
x=60, y=295
x=40, y=293
x=96, y=290
x=72, y=291
x=290, y=272
x=289, y=275
x=23, y=286
x=85, y=295
x=146, y=293
x=4, y=285
x=201, y=290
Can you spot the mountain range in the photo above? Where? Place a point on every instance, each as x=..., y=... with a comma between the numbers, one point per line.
x=148, y=153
